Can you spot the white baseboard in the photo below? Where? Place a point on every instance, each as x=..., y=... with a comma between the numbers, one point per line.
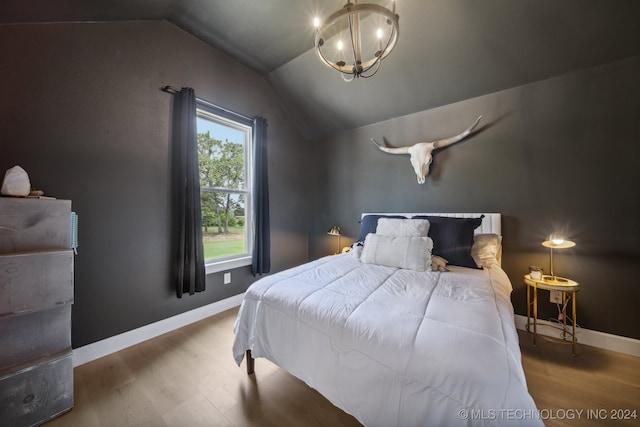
x=96, y=350
x=588, y=337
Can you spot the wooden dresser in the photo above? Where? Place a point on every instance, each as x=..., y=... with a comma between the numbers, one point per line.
x=36, y=294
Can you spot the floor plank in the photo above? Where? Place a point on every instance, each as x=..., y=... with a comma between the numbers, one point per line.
x=189, y=377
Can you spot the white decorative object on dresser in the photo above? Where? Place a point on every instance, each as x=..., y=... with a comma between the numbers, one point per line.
x=36, y=295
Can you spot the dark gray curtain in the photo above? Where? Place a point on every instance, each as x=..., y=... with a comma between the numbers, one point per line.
x=262, y=237
x=189, y=267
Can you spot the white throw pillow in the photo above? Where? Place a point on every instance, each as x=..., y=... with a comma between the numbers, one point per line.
x=413, y=253
x=487, y=249
x=403, y=227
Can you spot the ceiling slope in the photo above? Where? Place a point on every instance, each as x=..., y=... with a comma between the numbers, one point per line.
x=448, y=50
x=452, y=50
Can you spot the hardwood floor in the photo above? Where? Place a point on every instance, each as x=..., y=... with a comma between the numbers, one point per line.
x=188, y=378
x=590, y=389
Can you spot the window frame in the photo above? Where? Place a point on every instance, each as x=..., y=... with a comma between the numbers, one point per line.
x=245, y=125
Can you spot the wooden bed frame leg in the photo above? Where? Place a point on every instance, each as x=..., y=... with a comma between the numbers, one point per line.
x=250, y=363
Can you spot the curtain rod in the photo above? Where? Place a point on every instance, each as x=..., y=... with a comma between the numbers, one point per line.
x=174, y=91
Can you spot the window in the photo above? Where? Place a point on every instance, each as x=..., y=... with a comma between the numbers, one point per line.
x=224, y=161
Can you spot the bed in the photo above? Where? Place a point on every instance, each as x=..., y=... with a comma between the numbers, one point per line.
x=393, y=337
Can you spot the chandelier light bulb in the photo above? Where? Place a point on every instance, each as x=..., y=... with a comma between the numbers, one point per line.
x=316, y=22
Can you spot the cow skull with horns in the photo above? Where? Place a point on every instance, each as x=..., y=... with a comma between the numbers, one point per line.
x=421, y=152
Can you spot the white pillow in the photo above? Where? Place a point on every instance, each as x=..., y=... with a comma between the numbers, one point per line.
x=403, y=227
x=487, y=249
x=413, y=253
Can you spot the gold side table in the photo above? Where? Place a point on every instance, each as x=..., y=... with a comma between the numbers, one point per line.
x=552, y=283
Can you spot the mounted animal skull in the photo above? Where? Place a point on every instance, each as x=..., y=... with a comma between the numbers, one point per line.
x=421, y=153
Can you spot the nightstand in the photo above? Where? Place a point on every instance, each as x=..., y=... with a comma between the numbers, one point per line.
x=551, y=283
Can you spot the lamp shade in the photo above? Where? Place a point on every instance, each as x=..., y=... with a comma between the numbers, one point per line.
x=334, y=231
x=555, y=242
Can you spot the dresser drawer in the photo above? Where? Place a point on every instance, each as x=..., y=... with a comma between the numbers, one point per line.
x=31, y=336
x=34, y=395
x=35, y=281
x=34, y=224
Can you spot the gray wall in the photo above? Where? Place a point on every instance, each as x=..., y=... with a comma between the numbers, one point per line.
x=559, y=154
x=81, y=111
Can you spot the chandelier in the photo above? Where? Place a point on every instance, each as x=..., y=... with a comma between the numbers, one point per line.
x=355, y=39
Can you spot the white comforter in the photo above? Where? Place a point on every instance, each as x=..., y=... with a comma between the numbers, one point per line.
x=393, y=347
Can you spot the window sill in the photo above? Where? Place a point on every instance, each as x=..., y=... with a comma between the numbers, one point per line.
x=228, y=264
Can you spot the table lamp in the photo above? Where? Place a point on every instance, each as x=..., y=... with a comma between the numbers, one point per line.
x=335, y=231
x=557, y=241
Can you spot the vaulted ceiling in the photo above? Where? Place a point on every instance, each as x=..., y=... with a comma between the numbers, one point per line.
x=448, y=50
